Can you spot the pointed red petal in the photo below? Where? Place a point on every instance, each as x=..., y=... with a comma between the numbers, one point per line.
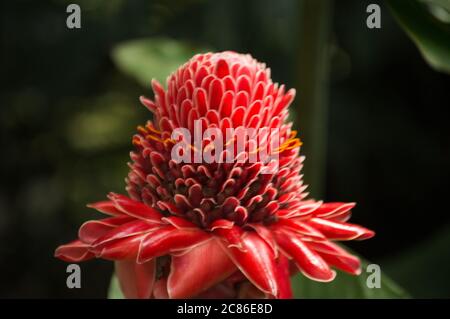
x=129, y=229
x=299, y=227
x=107, y=207
x=222, y=69
x=283, y=277
x=266, y=234
x=340, y=231
x=149, y=104
x=335, y=211
x=136, y=280
x=92, y=230
x=337, y=257
x=257, y=263
x=74, y=251
x=226, y=105
x=309, y=262
x=169, y=239
x=199, y=269
x=200, y=101
x=215, y=94
x=119, y=249
x=135, y=208
x=232, y=235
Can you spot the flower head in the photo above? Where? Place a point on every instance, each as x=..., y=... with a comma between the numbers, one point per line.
x=228, y=229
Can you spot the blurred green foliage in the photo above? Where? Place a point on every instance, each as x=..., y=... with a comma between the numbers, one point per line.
x=427, y=23
x=156, y=58
x=346, y=286
x=423, y=268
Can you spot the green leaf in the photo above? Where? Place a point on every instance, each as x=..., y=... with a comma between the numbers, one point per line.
x=443, y=3
x=423, y=268
x=114, y=291
x=430, y=33
x=346, y=286
x=150, y=58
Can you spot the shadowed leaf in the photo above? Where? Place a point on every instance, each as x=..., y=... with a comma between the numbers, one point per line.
x=347, y=287
x=150, y=58
x=425, y=25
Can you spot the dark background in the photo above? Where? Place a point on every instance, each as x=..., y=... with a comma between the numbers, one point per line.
x=67, y=115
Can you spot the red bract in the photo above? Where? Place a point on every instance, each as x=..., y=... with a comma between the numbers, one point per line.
x=217, y=229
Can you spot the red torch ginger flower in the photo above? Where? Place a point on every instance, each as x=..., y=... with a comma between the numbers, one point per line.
x=216, y=229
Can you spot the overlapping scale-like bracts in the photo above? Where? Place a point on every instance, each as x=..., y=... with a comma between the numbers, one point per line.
x=222, y=229
x=221, y=90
